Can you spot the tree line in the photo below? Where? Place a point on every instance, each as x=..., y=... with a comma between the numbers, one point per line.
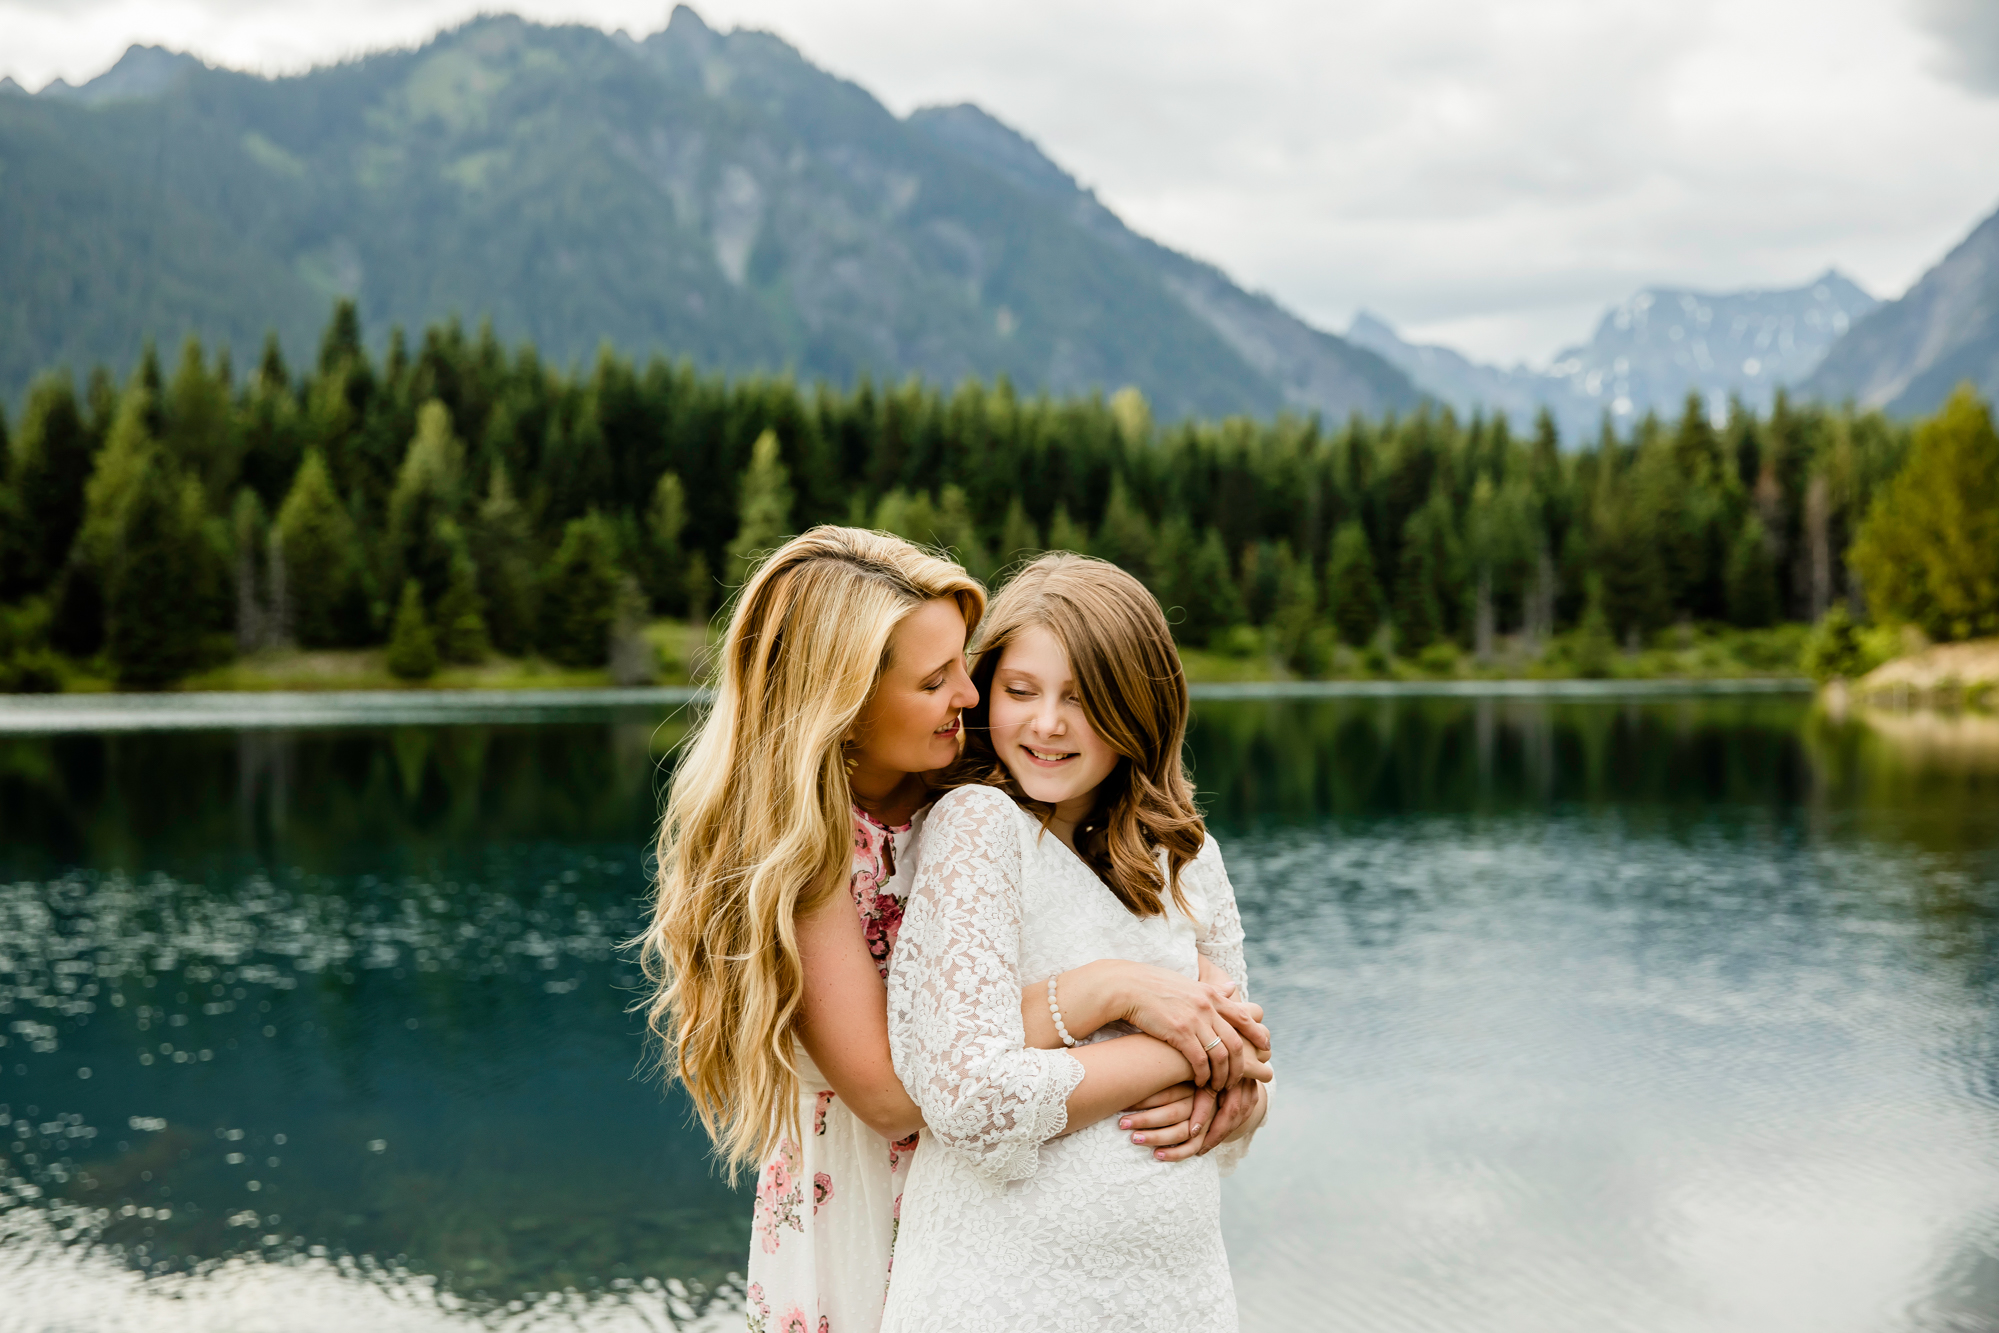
x=459, y=498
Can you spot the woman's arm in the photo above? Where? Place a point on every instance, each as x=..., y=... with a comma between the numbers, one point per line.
x=843, y=1025
x=843, y=1018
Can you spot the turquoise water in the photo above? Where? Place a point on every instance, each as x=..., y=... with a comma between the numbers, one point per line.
x=1602, y=1013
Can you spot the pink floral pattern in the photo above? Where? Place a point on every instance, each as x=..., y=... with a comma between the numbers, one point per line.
x=833, y=1156
x=874, y=867
x=780, y=1200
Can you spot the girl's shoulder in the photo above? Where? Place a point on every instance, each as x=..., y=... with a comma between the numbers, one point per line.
x=974, y=802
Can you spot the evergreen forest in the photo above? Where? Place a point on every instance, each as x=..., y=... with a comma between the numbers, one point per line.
x=455, y=500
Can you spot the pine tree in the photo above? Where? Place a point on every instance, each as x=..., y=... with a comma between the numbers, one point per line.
x=579, y=596
x=1354, y=592
x=1018, y=539
x=429, y=492
x=1125, y=536
x=1214, y=602
x=412, y=648
x=1928, y=552
x=666, y=567
x=317, y=539
x=200, y=432
x=1751, y=578
x=153, y=615
x=461, y=623
x=763, y=510
x=503, y=549
x=1594, y=647
x=1295, y=621
x=1064, y=534
x=49, y=463
x=1418, y=618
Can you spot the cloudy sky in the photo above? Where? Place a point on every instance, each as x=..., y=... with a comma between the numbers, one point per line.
x=1484, y=173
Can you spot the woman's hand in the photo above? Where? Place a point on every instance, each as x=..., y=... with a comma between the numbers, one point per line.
x=1239, y=1111
x=1190, y=1015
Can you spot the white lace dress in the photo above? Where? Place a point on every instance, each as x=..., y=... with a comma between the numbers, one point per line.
x=1006, y=1228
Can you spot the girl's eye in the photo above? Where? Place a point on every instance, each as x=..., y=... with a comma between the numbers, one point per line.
x=1016, y=692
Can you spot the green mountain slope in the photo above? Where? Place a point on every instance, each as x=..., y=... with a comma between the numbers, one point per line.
x=701, y=194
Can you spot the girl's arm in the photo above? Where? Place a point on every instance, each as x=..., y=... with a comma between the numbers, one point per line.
x=843, y=1024
x=955, y=1026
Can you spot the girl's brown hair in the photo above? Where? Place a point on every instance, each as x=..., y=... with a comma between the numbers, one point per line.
x=1135, y=696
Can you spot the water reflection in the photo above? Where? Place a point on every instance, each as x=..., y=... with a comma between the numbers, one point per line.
x=1655, y=1014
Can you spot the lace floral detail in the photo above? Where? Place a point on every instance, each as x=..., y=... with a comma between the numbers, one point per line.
x=874, y=867
x=953, y=995
x=1221, y=942
x=1012, y=1230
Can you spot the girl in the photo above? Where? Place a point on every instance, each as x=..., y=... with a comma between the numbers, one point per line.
x=841, y=682
x=1073, y=837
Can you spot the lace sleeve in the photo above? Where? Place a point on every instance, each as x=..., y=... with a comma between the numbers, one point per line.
x=954, y=995
x=1221, y=941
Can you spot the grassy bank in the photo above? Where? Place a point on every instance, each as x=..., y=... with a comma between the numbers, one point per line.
x=679, y=649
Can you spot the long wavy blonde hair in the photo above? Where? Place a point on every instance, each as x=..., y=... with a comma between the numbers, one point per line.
x=757, y=827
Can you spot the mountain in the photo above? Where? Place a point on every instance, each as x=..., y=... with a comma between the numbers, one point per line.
x=698, y=193
x=1909, y=354
x=1451, y=376
x=1647, y=354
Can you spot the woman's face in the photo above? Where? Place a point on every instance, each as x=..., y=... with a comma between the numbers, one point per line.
x=1039, y=730
x=910, y=723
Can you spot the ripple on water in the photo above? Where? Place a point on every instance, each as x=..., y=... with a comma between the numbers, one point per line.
x=1548, y=1074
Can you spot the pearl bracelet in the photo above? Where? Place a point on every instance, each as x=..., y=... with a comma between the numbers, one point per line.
x=1055, y=1012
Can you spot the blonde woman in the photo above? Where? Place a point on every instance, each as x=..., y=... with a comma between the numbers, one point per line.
x=841, y=683
x=1075, y=840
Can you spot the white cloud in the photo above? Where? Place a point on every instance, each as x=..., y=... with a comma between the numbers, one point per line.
x=1488, y=174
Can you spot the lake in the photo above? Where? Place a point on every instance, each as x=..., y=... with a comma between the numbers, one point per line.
x=1592, y=1012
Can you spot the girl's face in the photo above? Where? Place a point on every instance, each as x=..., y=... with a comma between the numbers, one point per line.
x=910, y=724
x=1038, y=727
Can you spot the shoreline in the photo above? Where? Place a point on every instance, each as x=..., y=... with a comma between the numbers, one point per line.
x=262, y=710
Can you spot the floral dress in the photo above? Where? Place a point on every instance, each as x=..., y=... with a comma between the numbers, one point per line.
x=826, y=1209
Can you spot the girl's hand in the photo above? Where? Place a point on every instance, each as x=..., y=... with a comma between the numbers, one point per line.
x=1171, y=1122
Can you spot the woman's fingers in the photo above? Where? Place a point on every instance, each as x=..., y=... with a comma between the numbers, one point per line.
x=1226, y=1060
x=1248, y=1020
x=1257, y=1066
x=1236, y=1106
x=1158, y=1117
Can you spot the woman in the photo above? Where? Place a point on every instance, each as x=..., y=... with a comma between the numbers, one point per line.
x=1075, y=839
x=841, y=682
